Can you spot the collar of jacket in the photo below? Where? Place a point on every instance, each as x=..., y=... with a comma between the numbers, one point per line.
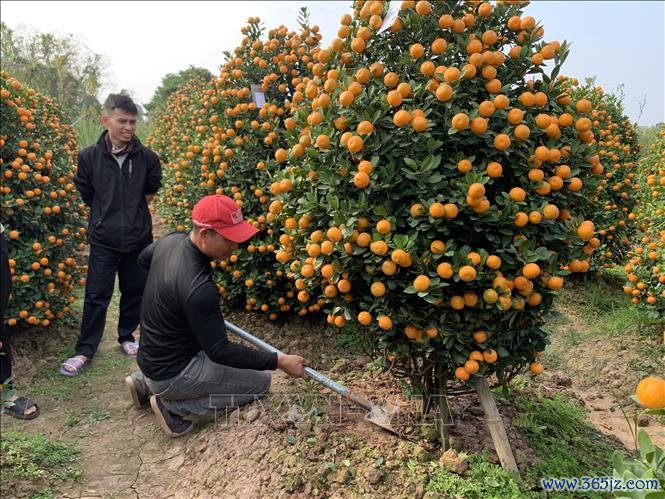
x=135, y=145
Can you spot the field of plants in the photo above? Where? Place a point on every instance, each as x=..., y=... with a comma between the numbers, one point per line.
x=439, y=208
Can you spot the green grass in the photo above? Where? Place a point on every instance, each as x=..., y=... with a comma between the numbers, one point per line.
x=46, y=493
x=601, y=310
x=567, y=445
x=36, y=458
x=55, y=385
x=77, y=306
x=557, y=431
x=483, y=480
x=99, y=415
x=604, y=307
x=349, y=338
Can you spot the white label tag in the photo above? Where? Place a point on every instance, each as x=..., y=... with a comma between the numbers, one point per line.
x=391, y=16
x=258, y=97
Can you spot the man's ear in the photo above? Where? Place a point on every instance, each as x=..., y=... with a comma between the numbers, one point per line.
x=104, y=120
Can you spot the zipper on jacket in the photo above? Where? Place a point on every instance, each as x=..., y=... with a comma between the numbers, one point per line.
x=122, y=211
x=127, y=162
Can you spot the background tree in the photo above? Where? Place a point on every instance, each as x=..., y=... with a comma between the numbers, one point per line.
x=172, y=82
x=58, y=66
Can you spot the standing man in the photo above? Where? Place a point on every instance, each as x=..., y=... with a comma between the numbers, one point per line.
x=186, y=359
x=117, y=178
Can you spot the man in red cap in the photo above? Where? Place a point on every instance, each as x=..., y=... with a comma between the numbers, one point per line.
x=187, y=364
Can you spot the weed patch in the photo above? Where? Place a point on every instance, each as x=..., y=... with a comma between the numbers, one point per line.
x=482, y=480
x=557, y=430
x=38, y=460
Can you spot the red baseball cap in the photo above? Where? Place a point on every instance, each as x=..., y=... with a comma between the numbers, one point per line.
x=221, y=214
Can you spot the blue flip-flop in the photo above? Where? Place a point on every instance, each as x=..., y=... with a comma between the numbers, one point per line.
x=76, y=364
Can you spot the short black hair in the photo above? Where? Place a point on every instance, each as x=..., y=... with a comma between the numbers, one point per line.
x=122, y=102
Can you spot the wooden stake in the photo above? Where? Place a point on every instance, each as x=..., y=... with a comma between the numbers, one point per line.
x=495, y=426
x=444, y=421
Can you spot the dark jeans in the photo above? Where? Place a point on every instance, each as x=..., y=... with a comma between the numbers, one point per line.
x=103, y=265
x=6, y=288
x=205, y=386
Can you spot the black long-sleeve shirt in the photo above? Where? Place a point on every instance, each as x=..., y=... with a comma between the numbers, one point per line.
x=181, y=315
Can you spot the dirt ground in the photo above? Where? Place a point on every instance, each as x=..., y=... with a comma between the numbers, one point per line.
x=300, y=441
x=602, y=373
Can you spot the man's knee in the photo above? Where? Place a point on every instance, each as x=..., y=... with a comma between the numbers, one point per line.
x=263, y=382
x=132, y=285
x=100, y=297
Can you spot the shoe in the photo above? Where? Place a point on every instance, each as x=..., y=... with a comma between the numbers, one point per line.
x=140, y=397
x=19, y=406
x=74, y=366
x=172, y=424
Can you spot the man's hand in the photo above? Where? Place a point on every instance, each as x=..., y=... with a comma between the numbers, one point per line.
x=293, y=365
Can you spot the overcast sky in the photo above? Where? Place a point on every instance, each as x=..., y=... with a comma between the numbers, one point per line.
x=618, y=42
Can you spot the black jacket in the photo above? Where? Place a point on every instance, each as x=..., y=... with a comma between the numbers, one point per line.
x=180, y=313
x=119, y=215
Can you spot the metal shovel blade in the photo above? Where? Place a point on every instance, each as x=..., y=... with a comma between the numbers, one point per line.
x=380, y=416
x=376, y=414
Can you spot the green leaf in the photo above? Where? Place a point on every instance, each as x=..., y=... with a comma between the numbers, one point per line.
x=492, y=482
x=431, y=163
x=655, y=412
x=411, y=163
x=644, y=444
x=502, y=352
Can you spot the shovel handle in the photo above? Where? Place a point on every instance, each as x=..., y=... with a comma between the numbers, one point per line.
x=312, y=373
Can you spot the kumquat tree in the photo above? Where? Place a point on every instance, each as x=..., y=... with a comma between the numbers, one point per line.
x=443, y=180
x=614, y=208
x=645, y=268
x=41, y=214
x=231, y=140
x=173, y=127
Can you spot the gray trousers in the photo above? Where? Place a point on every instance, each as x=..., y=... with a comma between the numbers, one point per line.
x=203, y=387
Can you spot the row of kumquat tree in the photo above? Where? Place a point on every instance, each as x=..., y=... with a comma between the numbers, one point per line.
x=645, y=268
x=227, y=145
x=42, y=216
x=614, y=207
x=429, y=185
x=171, y=137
